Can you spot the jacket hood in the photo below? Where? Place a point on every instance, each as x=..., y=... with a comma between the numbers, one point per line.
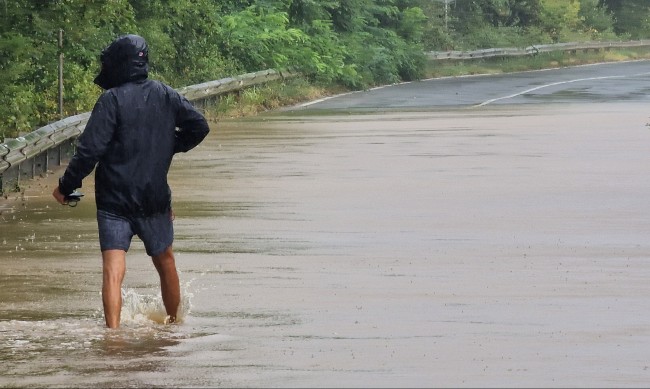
x=125, y=59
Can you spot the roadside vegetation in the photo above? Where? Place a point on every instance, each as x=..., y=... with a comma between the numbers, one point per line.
x=337, y=44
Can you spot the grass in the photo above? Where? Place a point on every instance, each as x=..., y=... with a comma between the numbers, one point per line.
x=267, y=97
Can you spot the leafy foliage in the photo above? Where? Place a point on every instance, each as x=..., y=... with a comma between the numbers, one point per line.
x=630, y=17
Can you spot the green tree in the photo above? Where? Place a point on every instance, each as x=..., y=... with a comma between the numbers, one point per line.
x=496, y=23
x=559, y=16
x=630, y=17
x=597, y=20
x=29, y=57
x=183, y=36
x=259, y=39
x=436, y=34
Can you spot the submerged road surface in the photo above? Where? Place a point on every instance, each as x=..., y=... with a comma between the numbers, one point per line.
x=368, y=241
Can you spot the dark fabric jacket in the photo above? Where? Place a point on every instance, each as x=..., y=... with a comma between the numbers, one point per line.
x=133, y=132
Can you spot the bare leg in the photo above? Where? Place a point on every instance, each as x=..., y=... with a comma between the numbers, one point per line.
x=169, y=283
x=114, y=268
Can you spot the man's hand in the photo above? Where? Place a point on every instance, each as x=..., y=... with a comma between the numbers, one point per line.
x=59, y=196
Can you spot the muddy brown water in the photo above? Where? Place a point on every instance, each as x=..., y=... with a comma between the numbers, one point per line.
x=493, y=246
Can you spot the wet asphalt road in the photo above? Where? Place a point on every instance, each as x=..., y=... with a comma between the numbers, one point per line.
x=616, y=82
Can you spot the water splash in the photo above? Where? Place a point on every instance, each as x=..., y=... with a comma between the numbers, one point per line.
x=139, y=309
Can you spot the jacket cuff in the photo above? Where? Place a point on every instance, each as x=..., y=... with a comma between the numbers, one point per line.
x=65, y=190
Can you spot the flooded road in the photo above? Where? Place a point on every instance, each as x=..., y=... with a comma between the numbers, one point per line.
x=487, y=246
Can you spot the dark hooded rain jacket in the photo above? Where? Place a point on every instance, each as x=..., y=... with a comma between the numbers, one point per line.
x=135, y=128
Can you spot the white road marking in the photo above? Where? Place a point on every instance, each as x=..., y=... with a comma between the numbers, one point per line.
x=557, y=83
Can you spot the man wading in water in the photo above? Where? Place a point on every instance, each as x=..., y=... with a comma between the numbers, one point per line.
x=136, y=127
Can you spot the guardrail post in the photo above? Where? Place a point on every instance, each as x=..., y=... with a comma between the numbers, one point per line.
x=10, y=179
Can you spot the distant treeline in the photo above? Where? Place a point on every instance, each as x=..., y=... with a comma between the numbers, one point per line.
x=355, y=43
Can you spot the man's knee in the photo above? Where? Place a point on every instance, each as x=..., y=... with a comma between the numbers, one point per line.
x=114, y=265
x=164, y=260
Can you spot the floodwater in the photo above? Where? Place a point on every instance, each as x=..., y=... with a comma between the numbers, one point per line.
x=494, y=246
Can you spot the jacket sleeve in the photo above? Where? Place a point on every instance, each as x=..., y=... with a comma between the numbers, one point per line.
x=191, y=125
x=91, y=144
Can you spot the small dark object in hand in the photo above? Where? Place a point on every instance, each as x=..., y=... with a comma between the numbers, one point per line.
x=73, y=198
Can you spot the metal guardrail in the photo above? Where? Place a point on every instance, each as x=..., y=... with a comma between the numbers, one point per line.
x=532, y=50
x=225, y=85
x=31, y=155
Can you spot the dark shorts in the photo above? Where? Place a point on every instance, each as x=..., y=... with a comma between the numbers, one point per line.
x=116, y=232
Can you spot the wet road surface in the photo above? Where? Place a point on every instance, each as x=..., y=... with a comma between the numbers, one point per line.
x=613, y=82
x=494, y=245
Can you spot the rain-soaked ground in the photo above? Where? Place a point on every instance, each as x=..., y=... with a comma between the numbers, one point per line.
x=492, y=246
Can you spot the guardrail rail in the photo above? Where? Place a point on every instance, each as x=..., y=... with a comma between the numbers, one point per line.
x=532, y=50
x=34, y=154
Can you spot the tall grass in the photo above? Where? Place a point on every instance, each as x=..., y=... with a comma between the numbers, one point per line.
x=270, y=96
